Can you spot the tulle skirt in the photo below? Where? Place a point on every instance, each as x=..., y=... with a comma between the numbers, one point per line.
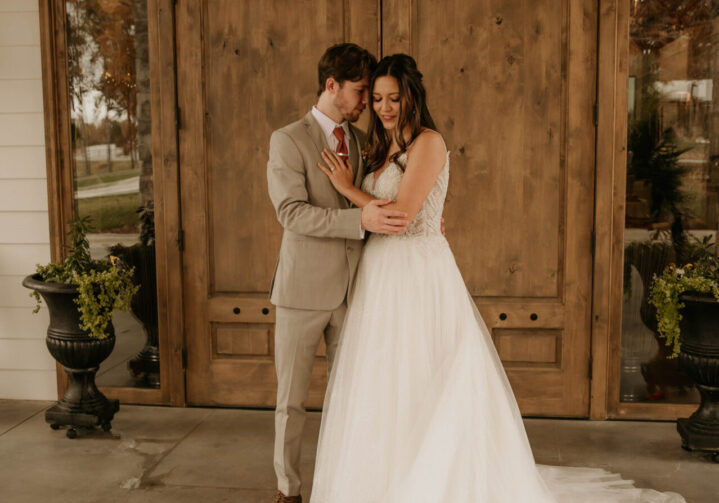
x=418, y=407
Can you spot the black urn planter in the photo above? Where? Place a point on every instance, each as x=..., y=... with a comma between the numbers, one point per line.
x=699, y=358
x=83, y=405
x=145, y=366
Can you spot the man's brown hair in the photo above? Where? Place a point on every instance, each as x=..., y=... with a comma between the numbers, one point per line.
x=344, y=62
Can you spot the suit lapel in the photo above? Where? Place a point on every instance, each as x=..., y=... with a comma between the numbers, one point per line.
x=315, y=132
x=356, y=157
x=318, y=138
x=354, y=153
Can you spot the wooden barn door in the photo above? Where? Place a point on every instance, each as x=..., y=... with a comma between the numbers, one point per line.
x=511, y=85
x=245, y=68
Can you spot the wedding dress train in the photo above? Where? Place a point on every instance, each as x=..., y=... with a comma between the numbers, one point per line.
x=418, y=408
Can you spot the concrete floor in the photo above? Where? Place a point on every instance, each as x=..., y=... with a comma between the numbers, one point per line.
x=162, y=454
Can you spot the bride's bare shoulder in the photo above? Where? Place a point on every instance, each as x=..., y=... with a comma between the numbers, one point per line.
x=429, y=146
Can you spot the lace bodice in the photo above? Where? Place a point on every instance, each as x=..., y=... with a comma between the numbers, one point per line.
x=428, y=221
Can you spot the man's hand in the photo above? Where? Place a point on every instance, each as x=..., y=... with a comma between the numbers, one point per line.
x=382, y=221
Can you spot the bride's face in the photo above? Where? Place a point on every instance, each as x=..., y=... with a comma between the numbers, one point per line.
x=386, y=100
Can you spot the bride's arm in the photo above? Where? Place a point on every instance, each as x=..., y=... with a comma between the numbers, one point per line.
x=424, y=164
x=358, y=197
x=375, y=218
x=423, y=167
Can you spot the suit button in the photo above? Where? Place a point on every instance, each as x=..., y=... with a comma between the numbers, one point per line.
x=349, y=248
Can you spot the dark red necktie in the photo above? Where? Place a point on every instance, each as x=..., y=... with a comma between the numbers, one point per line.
x=339, y=133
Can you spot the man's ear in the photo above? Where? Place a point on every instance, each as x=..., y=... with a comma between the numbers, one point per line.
x=331, y=85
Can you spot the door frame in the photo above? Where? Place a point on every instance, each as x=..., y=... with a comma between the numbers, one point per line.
x=60, y=184
x=610, y=197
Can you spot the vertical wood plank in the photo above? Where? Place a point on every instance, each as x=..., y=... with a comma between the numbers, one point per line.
x=163, y=96
x=398, y=21
x=609, y=215
x=580, y=150
x=190, y=22
x=618, y=206
x=57, y=133
x=363, y=28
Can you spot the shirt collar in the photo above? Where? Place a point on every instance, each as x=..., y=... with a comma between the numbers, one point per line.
x=327, y=124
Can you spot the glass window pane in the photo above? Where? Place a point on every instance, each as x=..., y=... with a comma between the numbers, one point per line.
x=111, y=131
x=672, y=177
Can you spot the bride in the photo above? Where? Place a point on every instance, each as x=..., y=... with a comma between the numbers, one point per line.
x=418, y=407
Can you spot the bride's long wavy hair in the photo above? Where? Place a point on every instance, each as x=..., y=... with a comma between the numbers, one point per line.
x=413, y=111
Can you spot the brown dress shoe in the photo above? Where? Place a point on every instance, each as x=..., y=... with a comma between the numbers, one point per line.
x=281, y=498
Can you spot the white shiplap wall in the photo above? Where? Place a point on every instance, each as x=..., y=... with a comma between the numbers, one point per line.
x=26, y=369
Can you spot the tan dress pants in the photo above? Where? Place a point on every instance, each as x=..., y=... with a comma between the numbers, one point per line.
x=297, y=335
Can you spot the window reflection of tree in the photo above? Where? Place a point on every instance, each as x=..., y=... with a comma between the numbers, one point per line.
x=109, y=84
x=108, y=66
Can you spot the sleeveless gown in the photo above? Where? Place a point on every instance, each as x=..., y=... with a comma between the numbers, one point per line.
x=418, y=407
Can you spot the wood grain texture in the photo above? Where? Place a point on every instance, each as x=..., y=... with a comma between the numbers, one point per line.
x=499, y=103
x=609, y=208
x=511, y=86
x=399, y=26
x=531, y=348
x=168, y=212
x=58, y=157
x=239, y=340
x=579, y=206
x=244, y=70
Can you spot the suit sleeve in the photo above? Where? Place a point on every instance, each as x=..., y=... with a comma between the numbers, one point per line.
x=286, y=181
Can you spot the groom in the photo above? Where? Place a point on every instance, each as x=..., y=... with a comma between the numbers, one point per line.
x=321, y=242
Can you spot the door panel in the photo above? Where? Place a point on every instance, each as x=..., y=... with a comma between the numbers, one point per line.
x=510, y=84
x=511, y=87
x=244, y=70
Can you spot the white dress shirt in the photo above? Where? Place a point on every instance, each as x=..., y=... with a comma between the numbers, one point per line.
x=328, y=126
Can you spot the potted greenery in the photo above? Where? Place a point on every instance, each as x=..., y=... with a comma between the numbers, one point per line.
x=650, y=258
x=81, y=294
x=687, y=303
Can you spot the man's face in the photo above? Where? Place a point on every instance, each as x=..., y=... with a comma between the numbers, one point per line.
x=351, y=98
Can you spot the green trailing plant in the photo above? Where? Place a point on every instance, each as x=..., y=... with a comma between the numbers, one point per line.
x=701, y=276
x=103, y=285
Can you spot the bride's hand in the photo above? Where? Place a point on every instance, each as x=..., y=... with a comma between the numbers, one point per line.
x=338, y=170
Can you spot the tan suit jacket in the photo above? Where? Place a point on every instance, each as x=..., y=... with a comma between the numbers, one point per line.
x=321, y=243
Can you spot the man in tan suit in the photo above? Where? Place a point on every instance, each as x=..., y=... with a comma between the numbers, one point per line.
x=321, y=243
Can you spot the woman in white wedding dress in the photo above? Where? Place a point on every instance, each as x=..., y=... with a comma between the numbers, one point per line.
x=418, y=407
